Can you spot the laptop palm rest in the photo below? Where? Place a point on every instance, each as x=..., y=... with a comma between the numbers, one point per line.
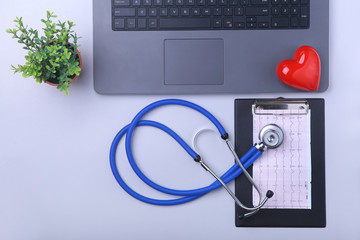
x=194, y=61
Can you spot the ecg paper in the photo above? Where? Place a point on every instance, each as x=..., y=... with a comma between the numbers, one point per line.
x=285, y=170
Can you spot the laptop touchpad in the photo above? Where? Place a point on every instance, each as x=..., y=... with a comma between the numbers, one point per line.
x=194, y=61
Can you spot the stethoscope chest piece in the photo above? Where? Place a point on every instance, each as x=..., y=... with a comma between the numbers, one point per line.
x=272, y=136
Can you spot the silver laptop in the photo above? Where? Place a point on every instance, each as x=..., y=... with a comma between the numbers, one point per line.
x=203, y=46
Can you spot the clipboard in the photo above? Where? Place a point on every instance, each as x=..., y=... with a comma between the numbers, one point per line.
x=282, y=217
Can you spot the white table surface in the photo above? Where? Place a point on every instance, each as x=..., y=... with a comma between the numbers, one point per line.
x=55, y=179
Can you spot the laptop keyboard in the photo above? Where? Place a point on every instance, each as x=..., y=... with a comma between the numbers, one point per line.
x=150, y=15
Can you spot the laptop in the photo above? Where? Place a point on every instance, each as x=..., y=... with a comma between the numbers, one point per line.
x=203, y=46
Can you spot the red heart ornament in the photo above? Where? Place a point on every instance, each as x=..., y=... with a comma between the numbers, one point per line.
x=303, y=72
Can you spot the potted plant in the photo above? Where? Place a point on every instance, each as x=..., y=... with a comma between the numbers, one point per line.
x=53, y=58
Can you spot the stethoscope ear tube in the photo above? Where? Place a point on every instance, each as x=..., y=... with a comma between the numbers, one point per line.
x=253, y=154
x=260, y=147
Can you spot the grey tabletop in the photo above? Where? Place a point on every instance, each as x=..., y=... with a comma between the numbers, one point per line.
x=55, y=178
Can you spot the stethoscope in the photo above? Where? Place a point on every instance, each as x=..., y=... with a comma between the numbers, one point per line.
x=271, y=136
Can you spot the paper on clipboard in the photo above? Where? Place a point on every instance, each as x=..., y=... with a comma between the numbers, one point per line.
x=285, y=170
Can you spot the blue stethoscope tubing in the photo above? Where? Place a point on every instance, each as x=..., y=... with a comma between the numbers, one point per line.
x=187, y=195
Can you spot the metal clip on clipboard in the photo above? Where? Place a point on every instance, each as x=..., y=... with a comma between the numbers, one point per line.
x=272, y=107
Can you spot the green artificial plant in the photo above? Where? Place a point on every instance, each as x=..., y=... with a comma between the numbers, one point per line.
x=53, y=57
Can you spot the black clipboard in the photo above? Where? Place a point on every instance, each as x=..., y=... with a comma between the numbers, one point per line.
x=314, y=217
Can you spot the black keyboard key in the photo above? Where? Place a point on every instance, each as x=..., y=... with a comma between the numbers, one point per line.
x=206, y=12
x=251, y=25
x=263, y=25
x=121, y=3
x=124, y=12
x=285, y=2
x=217, y=23
x=304, y=12
x=304, y=22
x=260, y=2
x=185, y=12
x=239, y=11
x=217, y=12
x=244, y=2
x=228, y=11
x=184, y=23
x=275, y=11
x=284, y=10
x=295, y=2
x=131, y=23
x=304, y=17
x=276, y=2
x=153, y=12
x=239, y=25
x=169, y=2
x=141, y=12
x=190, y=2
x=251, y=19
x=222, y=2
x=228, y=23
x=257, y=11
x=201, y=2
x=280, y=22
x=142, y=23
x=119, y=23
x=174, y=12
x=294, y=10
x=233, y=2
x=179, y=2
x=294, y=21
x=211, y=2
x=163, y=12
x=152, y=23
x=195, y=11
x=147, y=2
x=158, y=2
x=136, y=2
